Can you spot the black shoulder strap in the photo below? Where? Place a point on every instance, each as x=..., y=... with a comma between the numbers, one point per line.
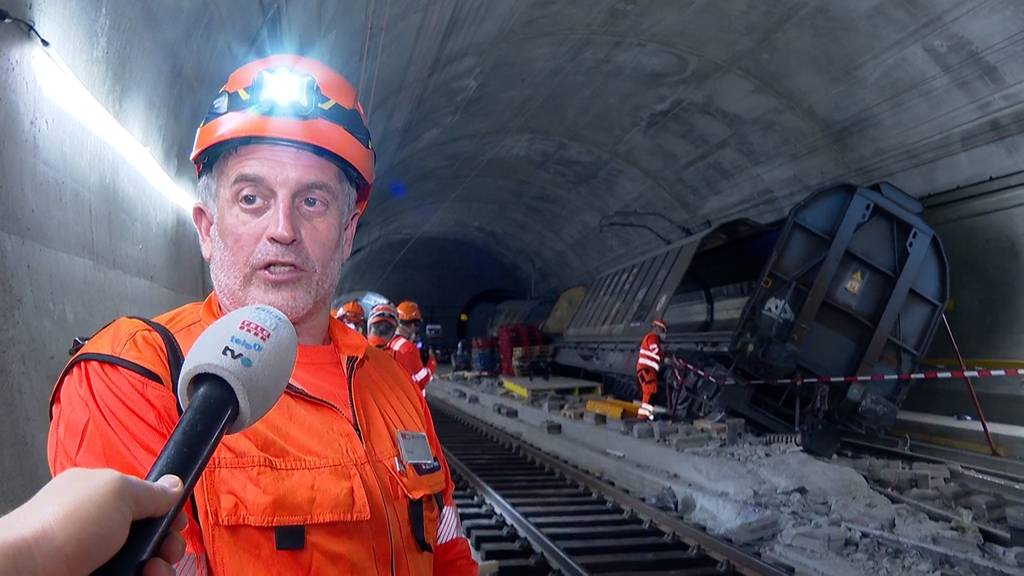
x=418, y=525
x=175, y=358
x=79, y=342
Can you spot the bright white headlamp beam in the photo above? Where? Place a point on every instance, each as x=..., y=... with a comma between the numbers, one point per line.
x=285, y=87
x=61, y=86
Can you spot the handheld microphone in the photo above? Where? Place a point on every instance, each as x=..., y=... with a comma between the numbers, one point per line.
x=233, y=375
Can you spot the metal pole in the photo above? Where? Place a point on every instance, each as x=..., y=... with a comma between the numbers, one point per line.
x=796, y=421
x=970, y=388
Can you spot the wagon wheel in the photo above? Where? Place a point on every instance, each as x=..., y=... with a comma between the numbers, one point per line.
x=705, y=400
x=818, y=434
x=696, y=396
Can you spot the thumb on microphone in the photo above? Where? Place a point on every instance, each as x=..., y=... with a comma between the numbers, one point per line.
x=151, y=499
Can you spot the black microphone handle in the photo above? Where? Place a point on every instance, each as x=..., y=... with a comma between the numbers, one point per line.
x=212, y=408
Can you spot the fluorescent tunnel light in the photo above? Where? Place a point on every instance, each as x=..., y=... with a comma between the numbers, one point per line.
x=61, y=86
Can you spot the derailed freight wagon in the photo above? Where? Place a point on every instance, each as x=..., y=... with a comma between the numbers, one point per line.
x=852, y=282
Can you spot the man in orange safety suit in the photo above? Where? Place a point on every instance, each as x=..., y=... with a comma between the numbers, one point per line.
x=353, y=316
x=382, y=325
x=404, y=347
x=345, y=475
x=648, y=365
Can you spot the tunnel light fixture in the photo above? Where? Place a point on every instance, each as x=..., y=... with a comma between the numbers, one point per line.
x=61, y=86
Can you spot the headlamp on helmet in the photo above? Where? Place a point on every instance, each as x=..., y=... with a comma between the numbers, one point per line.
x=282, y=91
x=291, y=100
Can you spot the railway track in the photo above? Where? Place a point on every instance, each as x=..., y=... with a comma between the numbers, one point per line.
x=1000, y=481
x=906, y=449
x=534, y=514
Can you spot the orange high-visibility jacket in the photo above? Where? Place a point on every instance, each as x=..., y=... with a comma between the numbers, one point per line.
x=650, y=353
x=315, y=487
x=408, y=355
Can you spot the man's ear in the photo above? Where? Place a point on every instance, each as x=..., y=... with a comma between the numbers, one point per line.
x=350, y=233
x=203, y=221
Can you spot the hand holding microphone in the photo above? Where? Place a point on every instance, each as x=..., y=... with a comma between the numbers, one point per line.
x=81, y=517
x=233, y=375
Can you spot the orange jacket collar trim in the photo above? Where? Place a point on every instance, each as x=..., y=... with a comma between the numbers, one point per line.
x=345, y=340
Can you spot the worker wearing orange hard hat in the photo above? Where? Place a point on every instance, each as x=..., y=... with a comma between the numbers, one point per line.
x=352, y=314
x=381, y=325
x=404, y=347
x=648, y=365
x=325, y=483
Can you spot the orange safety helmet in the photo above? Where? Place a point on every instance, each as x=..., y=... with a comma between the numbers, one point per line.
x=384, y=313
x=353, y=312
x=660, y=323
x=408, y=311
x=290, y=100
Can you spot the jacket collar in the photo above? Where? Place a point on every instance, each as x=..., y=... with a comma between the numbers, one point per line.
x=346, y=341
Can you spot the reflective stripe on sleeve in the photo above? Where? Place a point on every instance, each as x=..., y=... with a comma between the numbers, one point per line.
x=191, y=564
x=449, y=528
x=650, y=355
x=650, y=363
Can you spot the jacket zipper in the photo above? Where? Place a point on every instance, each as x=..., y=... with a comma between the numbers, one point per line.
x=300, y=392
x=350, y=372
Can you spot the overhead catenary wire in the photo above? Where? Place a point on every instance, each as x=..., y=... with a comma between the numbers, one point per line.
x=376, y=61
x=366, y=45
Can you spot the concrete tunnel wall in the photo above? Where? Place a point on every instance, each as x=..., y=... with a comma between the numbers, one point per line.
x=980, y=223
x=84, y=238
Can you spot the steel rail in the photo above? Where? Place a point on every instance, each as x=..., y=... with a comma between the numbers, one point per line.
x=554, y=555
x=741, y=560
x=1003, y=468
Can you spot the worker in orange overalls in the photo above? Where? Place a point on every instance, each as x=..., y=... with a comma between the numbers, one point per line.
x=381, y=325
x=648, y=365
x=345, y=475
x=353, y=316
x=405, y=349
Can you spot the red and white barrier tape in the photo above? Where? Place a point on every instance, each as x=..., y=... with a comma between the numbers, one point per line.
x=927, y=375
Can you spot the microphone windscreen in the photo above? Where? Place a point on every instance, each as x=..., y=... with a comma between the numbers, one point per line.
x=253, y=349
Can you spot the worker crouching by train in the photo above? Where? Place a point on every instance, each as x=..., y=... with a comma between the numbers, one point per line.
x=648, y=365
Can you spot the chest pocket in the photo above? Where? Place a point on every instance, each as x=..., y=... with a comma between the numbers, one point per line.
x=293, y=515
x=422, y=488
x=259, y=491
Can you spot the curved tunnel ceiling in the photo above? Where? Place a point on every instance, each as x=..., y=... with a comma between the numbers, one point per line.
x=516, y=126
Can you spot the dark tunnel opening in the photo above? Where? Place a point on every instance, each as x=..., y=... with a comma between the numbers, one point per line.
x=476, y=314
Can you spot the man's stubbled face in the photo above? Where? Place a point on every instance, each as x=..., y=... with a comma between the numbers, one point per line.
x=282, y=228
